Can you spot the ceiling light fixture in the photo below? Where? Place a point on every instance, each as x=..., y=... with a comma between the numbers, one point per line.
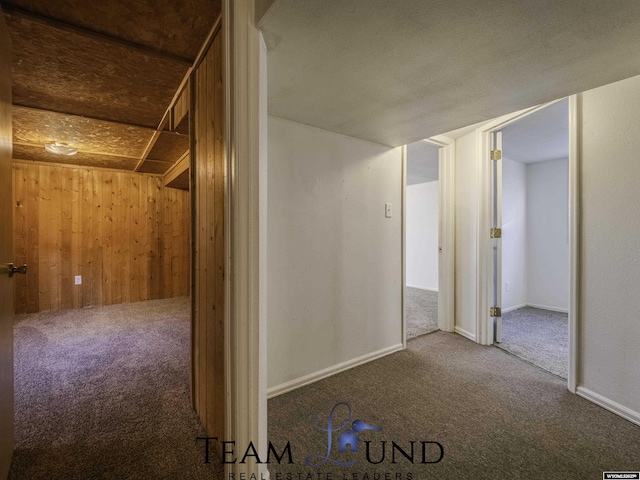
x=60, y=148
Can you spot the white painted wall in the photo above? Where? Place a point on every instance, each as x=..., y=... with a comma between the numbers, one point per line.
x=514, y=235
x=466, y=211
x=535, y=236
x=609, y=304
x=334, y=260
x=422, y=235
x=548, y=234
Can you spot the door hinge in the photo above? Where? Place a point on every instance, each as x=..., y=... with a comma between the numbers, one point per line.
x=496, y=154
x=495, y=312
x=496, y=233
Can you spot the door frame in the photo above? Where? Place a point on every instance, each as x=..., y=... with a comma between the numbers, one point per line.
x=446, y=233
x=7, y=390
x=244, y=61
x=484, y=326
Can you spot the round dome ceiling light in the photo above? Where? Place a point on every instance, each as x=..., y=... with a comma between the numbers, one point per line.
x=60, y=148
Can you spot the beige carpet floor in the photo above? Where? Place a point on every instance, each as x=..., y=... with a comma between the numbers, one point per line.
x=103, y=393
x=538, y=336
x=495, y=415
x=421, y=311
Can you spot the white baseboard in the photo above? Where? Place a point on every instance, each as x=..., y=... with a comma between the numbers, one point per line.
x=464, y=333
x=610, y=405
x=428, y=289
x=327, y=372
x=511, y=309
x=551, y=309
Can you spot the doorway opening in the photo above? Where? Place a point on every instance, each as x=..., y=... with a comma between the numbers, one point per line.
x=422, y=238
x=532, y=246
x=428, y=237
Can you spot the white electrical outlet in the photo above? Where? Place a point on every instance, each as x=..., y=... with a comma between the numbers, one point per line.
x=507, y=286
x=387, y=210
x=78, y=279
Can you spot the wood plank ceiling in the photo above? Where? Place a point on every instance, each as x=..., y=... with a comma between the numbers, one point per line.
x=100, y=77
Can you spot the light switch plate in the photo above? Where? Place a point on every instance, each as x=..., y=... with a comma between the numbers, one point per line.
x=387, y=210
x=78, y=279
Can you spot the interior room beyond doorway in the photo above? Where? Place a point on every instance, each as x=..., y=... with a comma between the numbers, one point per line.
x=535, y=238
x=422, y=233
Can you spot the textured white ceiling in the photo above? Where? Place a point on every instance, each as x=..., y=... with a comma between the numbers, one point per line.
x=543, y=135
x=396, y=71
x=422, y=162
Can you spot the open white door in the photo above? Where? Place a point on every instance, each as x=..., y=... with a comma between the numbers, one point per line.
x=496, y=232
x=6, y=254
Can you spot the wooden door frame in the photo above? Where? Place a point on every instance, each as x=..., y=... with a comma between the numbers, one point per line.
x=446, y=233
x=484, y=325
x=7, y=388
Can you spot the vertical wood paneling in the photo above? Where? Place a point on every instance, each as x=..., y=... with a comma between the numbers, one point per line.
x=126, y=233
x=45, y=245
x=209, y=195
x=166, y=239
x=66, y=236
x=76, y=235
x=20, y=225
x=55, y=231
x=87, y=246
x=220, y=183
x=107, y=237
x=209, y=177
x=199, y=328
x=153, y=218
x=183, y=242
x=32, y=241
x=117, y=228
x=136, y=236
x=201, y=250
x=96, y=233
x=107, y=226
x=143, y=237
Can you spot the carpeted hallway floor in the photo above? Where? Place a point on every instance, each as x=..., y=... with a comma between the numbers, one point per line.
x=537, y=336
x=495, y=416
x=421, y=311
x=103, y=393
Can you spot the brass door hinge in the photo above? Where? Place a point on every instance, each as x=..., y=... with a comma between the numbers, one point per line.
x=495, y=312
x=496, y=154
x=496, y=233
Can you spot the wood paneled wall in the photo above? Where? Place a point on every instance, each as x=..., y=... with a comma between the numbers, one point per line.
x=125, y=233
x=209, y=185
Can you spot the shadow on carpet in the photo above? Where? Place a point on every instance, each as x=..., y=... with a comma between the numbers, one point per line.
x=104, y=393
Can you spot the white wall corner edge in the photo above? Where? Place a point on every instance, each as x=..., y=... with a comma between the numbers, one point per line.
x=539, y=307
x=428, y=289
x=465, y=333
x=546, y=307
x=511, y=309
x=614, y=407
x=329, y=371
